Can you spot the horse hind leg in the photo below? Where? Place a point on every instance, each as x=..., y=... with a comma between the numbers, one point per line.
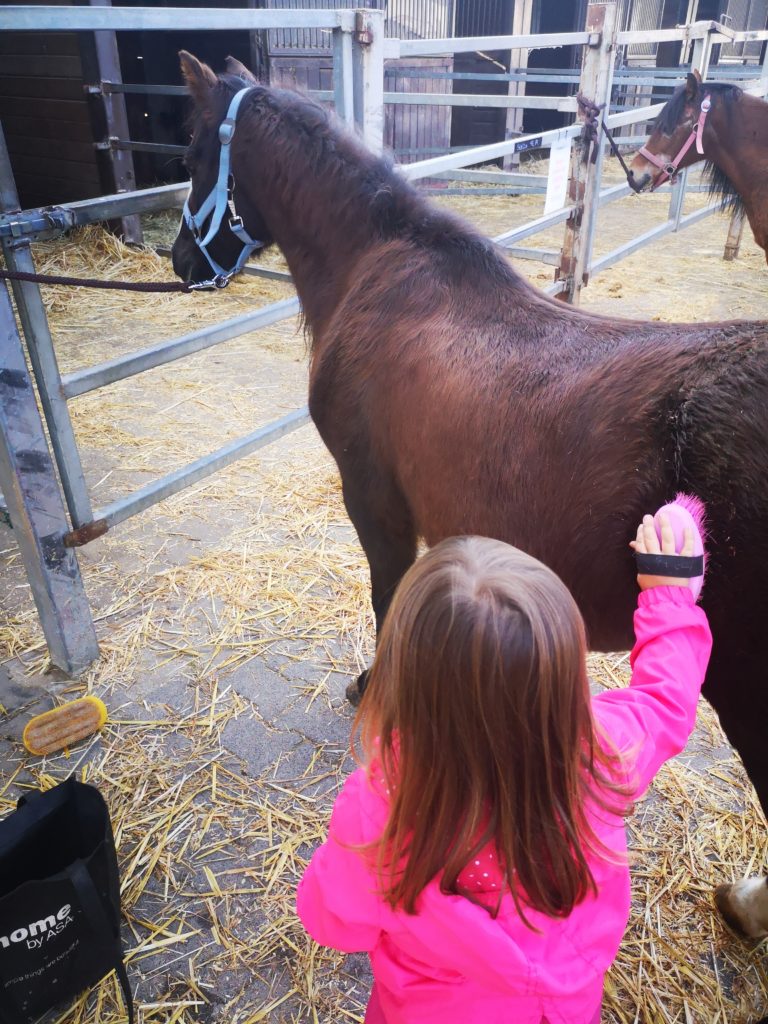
x=388, y=537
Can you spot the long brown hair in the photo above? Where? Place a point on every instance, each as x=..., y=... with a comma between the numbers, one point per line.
x=477, y=715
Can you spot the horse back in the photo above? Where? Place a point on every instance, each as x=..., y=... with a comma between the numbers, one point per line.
x=499, y=413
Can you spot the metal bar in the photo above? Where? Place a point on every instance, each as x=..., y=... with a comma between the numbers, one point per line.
x=482, y=154
x=116, y=117
x=343, y=76
x=145, y=90
x=494, y=177
x=603, y=91
x=533, y=227
x=565, y=104
x=556, y=288
x=521, y=252
x=585, y=174
x=735, y=232
x=36, y=510
x=94, y=377
x=677, y=198
x=648, y=236
x=148, y=147
x=633, y=116
x=201, y=468
x=432, y=47
x=90, y=211
x=165, y=19
x=487, y=190
x=250, y=269
x=685, y=33
x=368, y=69
x=29, y=302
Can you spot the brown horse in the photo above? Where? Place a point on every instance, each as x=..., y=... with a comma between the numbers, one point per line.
x=457, y=399
x=734, y=141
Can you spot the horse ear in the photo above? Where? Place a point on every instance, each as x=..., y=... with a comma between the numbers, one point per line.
x=198, y=77
x=234, y=67
x=692, y=83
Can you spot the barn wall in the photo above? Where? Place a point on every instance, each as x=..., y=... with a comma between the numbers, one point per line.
x=47, y=118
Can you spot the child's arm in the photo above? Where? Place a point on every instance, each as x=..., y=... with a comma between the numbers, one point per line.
x=651, y=720
x=336, y=899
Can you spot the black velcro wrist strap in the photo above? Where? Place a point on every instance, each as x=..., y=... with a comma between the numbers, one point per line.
x=682, y=566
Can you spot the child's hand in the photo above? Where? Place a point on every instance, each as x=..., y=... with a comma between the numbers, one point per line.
x=647, y=543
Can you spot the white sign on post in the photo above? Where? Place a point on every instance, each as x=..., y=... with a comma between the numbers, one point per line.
x=559, y=170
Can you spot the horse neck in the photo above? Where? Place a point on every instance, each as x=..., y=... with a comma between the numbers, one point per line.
x=317, y=218
x=737, y=143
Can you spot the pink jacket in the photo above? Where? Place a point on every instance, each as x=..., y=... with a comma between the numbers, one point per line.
x=451, y=963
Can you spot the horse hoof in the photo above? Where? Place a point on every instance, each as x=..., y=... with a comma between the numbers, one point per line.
x=356, y=689
x=744, y=907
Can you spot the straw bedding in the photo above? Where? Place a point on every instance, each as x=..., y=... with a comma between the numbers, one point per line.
x=231, y=617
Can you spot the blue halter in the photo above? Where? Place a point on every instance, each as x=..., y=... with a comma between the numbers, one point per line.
x=218, y=202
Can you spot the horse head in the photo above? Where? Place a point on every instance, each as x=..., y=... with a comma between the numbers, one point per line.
x=221, y=225
x=670, y=145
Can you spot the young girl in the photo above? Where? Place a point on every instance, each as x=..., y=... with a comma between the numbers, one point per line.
x=479, y=854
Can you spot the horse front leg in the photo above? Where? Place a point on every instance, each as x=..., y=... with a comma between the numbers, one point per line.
x=387, y=534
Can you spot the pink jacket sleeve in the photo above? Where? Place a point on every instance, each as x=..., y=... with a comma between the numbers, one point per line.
x=337, y=899
x=651, y=720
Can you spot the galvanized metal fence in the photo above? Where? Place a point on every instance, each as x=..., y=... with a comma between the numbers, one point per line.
x=47, y=534
x=46, y=530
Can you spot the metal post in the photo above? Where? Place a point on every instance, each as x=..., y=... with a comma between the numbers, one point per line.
x=343, y=75
x=368, y=62
x=584, y=186
x=28, y=482
x=701, y=54
x=677, y=198
x=522, y=18
x=735, y=232
x=29, y=301
x=116, y=117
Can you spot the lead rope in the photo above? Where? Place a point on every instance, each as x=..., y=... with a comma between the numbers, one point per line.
x=91, y=282
x=591, y=130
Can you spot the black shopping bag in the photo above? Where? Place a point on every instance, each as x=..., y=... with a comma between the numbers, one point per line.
x=59, y=901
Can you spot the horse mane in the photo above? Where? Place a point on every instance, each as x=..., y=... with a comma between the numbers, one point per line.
x=719, y=185
x=672, y=111
x=395, y=209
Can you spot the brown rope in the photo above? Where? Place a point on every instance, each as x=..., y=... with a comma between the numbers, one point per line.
x=89, y=282
x=592, y=125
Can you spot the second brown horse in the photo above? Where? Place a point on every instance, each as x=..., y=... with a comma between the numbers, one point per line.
x=734, y=141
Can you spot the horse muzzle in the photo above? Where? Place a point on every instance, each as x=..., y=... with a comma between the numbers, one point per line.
x=639, y=184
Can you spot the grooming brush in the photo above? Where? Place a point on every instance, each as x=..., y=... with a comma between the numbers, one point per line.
x=65, y=726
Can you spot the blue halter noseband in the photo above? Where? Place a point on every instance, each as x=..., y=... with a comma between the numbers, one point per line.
x=218, y=202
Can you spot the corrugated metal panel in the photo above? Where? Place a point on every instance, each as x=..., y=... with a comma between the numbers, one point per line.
x=420, y=19
x=742, y=15
x=309, y=40
x=641, y=16
x=405, y=19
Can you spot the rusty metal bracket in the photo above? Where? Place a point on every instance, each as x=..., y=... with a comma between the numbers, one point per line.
x=363, y=34
x=85, y=534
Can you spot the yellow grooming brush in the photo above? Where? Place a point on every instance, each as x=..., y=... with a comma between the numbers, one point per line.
x=63, y=727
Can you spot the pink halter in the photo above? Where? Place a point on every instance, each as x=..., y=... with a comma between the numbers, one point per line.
x=669, y=169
